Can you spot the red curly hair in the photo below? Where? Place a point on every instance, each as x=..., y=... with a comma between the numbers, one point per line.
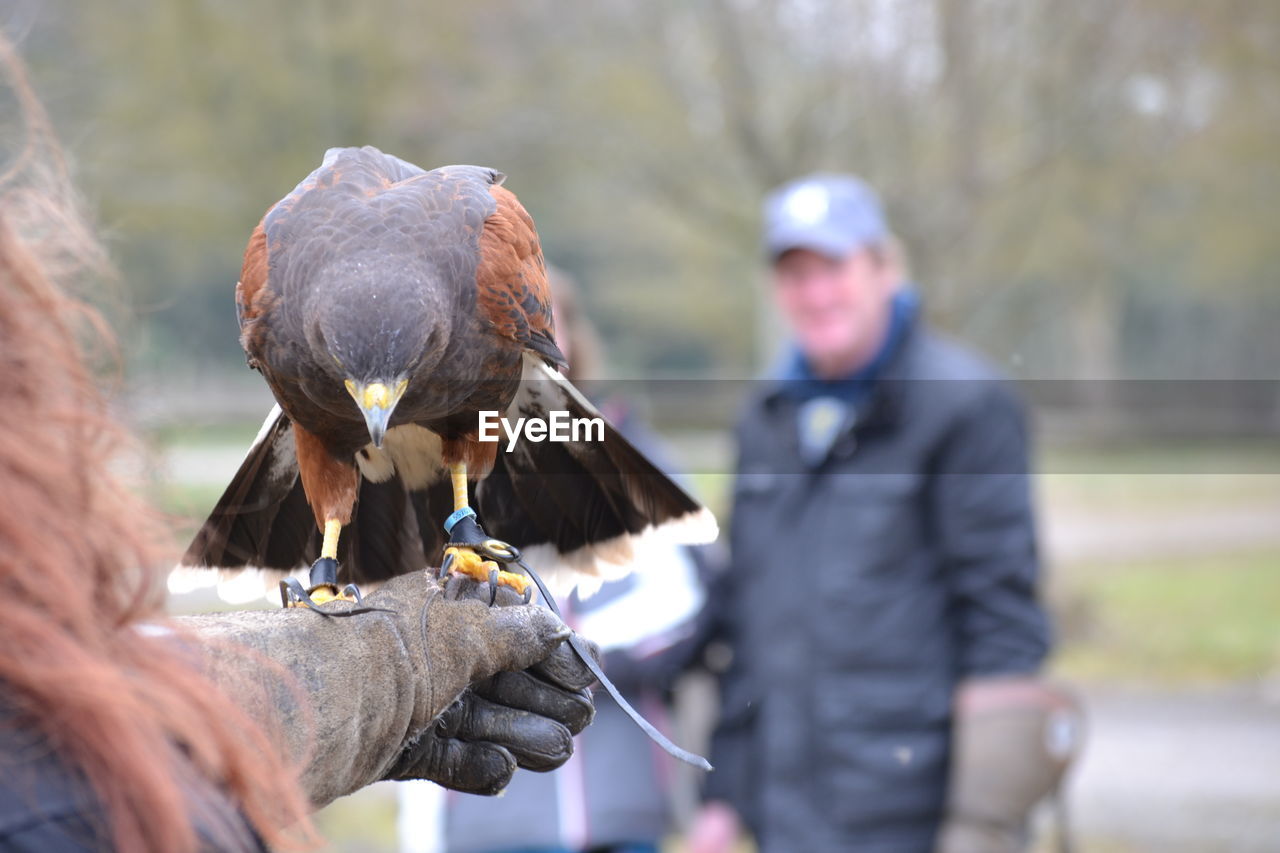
x=79, y=561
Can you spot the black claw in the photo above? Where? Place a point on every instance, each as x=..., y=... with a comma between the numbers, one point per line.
x=493, y=586
x=444, y=567
x=292, y=594
x=528, y=594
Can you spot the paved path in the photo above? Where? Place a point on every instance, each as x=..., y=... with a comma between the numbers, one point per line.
x=1179, y=772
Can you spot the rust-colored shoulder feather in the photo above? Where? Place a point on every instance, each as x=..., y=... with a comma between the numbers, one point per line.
x=253, y=297
x=511, y=279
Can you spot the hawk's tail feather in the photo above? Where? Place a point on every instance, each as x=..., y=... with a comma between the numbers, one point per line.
x=263, y=520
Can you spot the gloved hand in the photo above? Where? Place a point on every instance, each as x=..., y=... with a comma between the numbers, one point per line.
x=356, y=699
x=1013, y=738
x=512, y=719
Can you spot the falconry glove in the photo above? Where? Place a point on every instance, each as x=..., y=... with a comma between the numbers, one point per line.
x=364, y=698
x=512, y=719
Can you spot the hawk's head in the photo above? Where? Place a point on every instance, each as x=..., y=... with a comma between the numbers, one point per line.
x=379, y=322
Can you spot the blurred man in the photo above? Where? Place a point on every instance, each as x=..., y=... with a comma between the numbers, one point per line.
x=883, y=552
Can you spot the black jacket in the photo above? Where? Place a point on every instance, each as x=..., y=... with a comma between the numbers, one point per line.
x=48, y=807
x=862, y=588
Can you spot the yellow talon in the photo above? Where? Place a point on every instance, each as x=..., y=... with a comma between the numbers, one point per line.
x=324, y=593
x=468, y=562
x=323, y=577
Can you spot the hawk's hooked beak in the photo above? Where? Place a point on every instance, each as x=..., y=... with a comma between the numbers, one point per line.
x=376, y=402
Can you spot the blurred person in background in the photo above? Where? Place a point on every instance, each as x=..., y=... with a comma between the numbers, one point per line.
x=122, y=729
x=613, y=795
x=883, y=567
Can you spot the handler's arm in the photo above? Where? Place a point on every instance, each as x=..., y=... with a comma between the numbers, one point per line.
x=358, y=699
x=982, y=509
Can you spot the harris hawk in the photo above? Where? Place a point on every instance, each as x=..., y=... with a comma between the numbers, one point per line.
x=387, y=307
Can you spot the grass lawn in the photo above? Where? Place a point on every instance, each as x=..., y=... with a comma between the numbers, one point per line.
x=1186, y=621
x=238, y=434
x=186, y=504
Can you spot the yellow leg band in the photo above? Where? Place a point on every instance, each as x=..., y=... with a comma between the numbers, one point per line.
x=329, y=549
x=458, y=472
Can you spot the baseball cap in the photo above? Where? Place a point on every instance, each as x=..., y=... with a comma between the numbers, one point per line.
x=828, y=213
